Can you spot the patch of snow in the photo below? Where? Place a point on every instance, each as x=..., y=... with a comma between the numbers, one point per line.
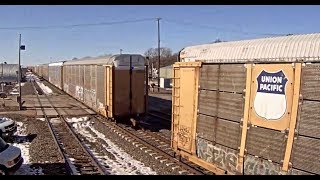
x=14, y=93
x=17, y=85
x=55, y=121
x=73, y=168
x=123, y=164
x=25, y=168
x=44, y=88
x=74, y=119
x=42, y=119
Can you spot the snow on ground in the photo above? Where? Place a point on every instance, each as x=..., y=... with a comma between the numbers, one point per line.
x=41, y=119
x=123, y=164
x=14, y=93
x=73, y=168
x=25, y=168
x=17, y=85
x=44, y=88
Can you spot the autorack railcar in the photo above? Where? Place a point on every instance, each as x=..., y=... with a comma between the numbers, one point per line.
x=250, y=106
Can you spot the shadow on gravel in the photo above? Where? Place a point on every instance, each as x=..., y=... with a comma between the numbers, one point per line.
x=22, y=139
x=162, y=108
x=42, y=169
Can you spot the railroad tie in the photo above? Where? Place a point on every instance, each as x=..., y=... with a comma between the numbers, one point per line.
x=143, y=148
x=137, y=145
x=134, y=142
x=173, y=168
x=169, y=164
x=158, y=157
x=163, y=160
x=183, y=171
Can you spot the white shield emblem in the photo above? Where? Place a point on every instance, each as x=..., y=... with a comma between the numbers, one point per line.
x=270, y=100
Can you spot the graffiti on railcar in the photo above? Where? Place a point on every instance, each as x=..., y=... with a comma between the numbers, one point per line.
x=223, y=157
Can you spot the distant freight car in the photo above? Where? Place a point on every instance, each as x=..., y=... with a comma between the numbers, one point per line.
x=42, y=70
x=55, y=75
x=249, y=107
x=114, y=86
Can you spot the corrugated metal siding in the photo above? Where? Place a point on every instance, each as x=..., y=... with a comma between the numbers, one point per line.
x=166, y=72
x=284, y=48
x=226, y=105
x=311, y=81
x=223, y=132
x=306, y=154
x=8, y=72
x=81, y=84
x=266, y=143
x=101, y=81
x=309, y=122
x=225, y=77
x=55, y=75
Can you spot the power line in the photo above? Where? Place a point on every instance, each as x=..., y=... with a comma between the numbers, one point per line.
x=77, y=25
x=219, y=28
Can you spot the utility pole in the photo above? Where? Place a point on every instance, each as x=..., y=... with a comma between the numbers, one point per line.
x=19, y=74
x=158, y=19
x=21, y=47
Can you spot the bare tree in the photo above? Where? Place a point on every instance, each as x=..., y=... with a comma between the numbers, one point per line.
x=218, y=41
x=153, y=52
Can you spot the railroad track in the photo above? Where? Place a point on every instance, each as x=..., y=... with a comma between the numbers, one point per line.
x=159, y=114
x=160, y=150
x=150, y=143
x=78, y=160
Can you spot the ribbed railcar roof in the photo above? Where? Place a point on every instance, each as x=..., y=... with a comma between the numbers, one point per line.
x=284, y=48
x=101, y=60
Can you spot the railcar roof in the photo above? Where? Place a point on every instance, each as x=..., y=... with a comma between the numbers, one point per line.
x=284, y=48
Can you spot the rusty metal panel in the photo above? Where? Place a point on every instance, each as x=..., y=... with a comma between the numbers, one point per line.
x=225, y=77
x=258, y=166
x=138, y=91
x=309, y=122
x=223, y=132
x=306, y=154
x=109, y=91
x=221, y=104
x=311, y=81
x=121, y=93
x=224, y=157
x=266, y=143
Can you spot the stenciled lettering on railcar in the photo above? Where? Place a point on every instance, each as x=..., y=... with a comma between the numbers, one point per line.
x=270, y=101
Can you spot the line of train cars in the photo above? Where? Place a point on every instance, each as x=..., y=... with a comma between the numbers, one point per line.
x=242, y=107
x=115, y=86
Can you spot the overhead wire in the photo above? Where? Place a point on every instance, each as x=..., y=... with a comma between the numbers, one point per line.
x=219, y=28
x=76, y=25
